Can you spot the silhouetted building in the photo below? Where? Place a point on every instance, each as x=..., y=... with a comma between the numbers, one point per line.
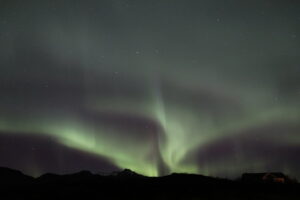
x=270, y=177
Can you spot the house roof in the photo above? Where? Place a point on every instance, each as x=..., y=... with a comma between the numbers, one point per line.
x=260, y=175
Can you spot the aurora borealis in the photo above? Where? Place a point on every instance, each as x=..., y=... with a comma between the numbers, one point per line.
x=158, y=86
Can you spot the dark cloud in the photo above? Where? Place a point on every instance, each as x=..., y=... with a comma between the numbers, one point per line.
x=38, y=154
x=264, y=145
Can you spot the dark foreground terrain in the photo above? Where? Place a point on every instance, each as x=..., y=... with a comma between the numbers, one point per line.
x=129, y=185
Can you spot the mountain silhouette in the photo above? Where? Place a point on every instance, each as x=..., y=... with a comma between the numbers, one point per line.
x=127, y=184
x=11, y=176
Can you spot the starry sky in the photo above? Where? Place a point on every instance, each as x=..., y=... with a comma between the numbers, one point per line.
x=159, y=86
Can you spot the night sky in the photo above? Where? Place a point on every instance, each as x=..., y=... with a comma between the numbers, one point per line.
x=157, y=86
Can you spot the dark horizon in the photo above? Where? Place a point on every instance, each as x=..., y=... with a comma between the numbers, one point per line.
x=129, y=185
x=11, y=176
